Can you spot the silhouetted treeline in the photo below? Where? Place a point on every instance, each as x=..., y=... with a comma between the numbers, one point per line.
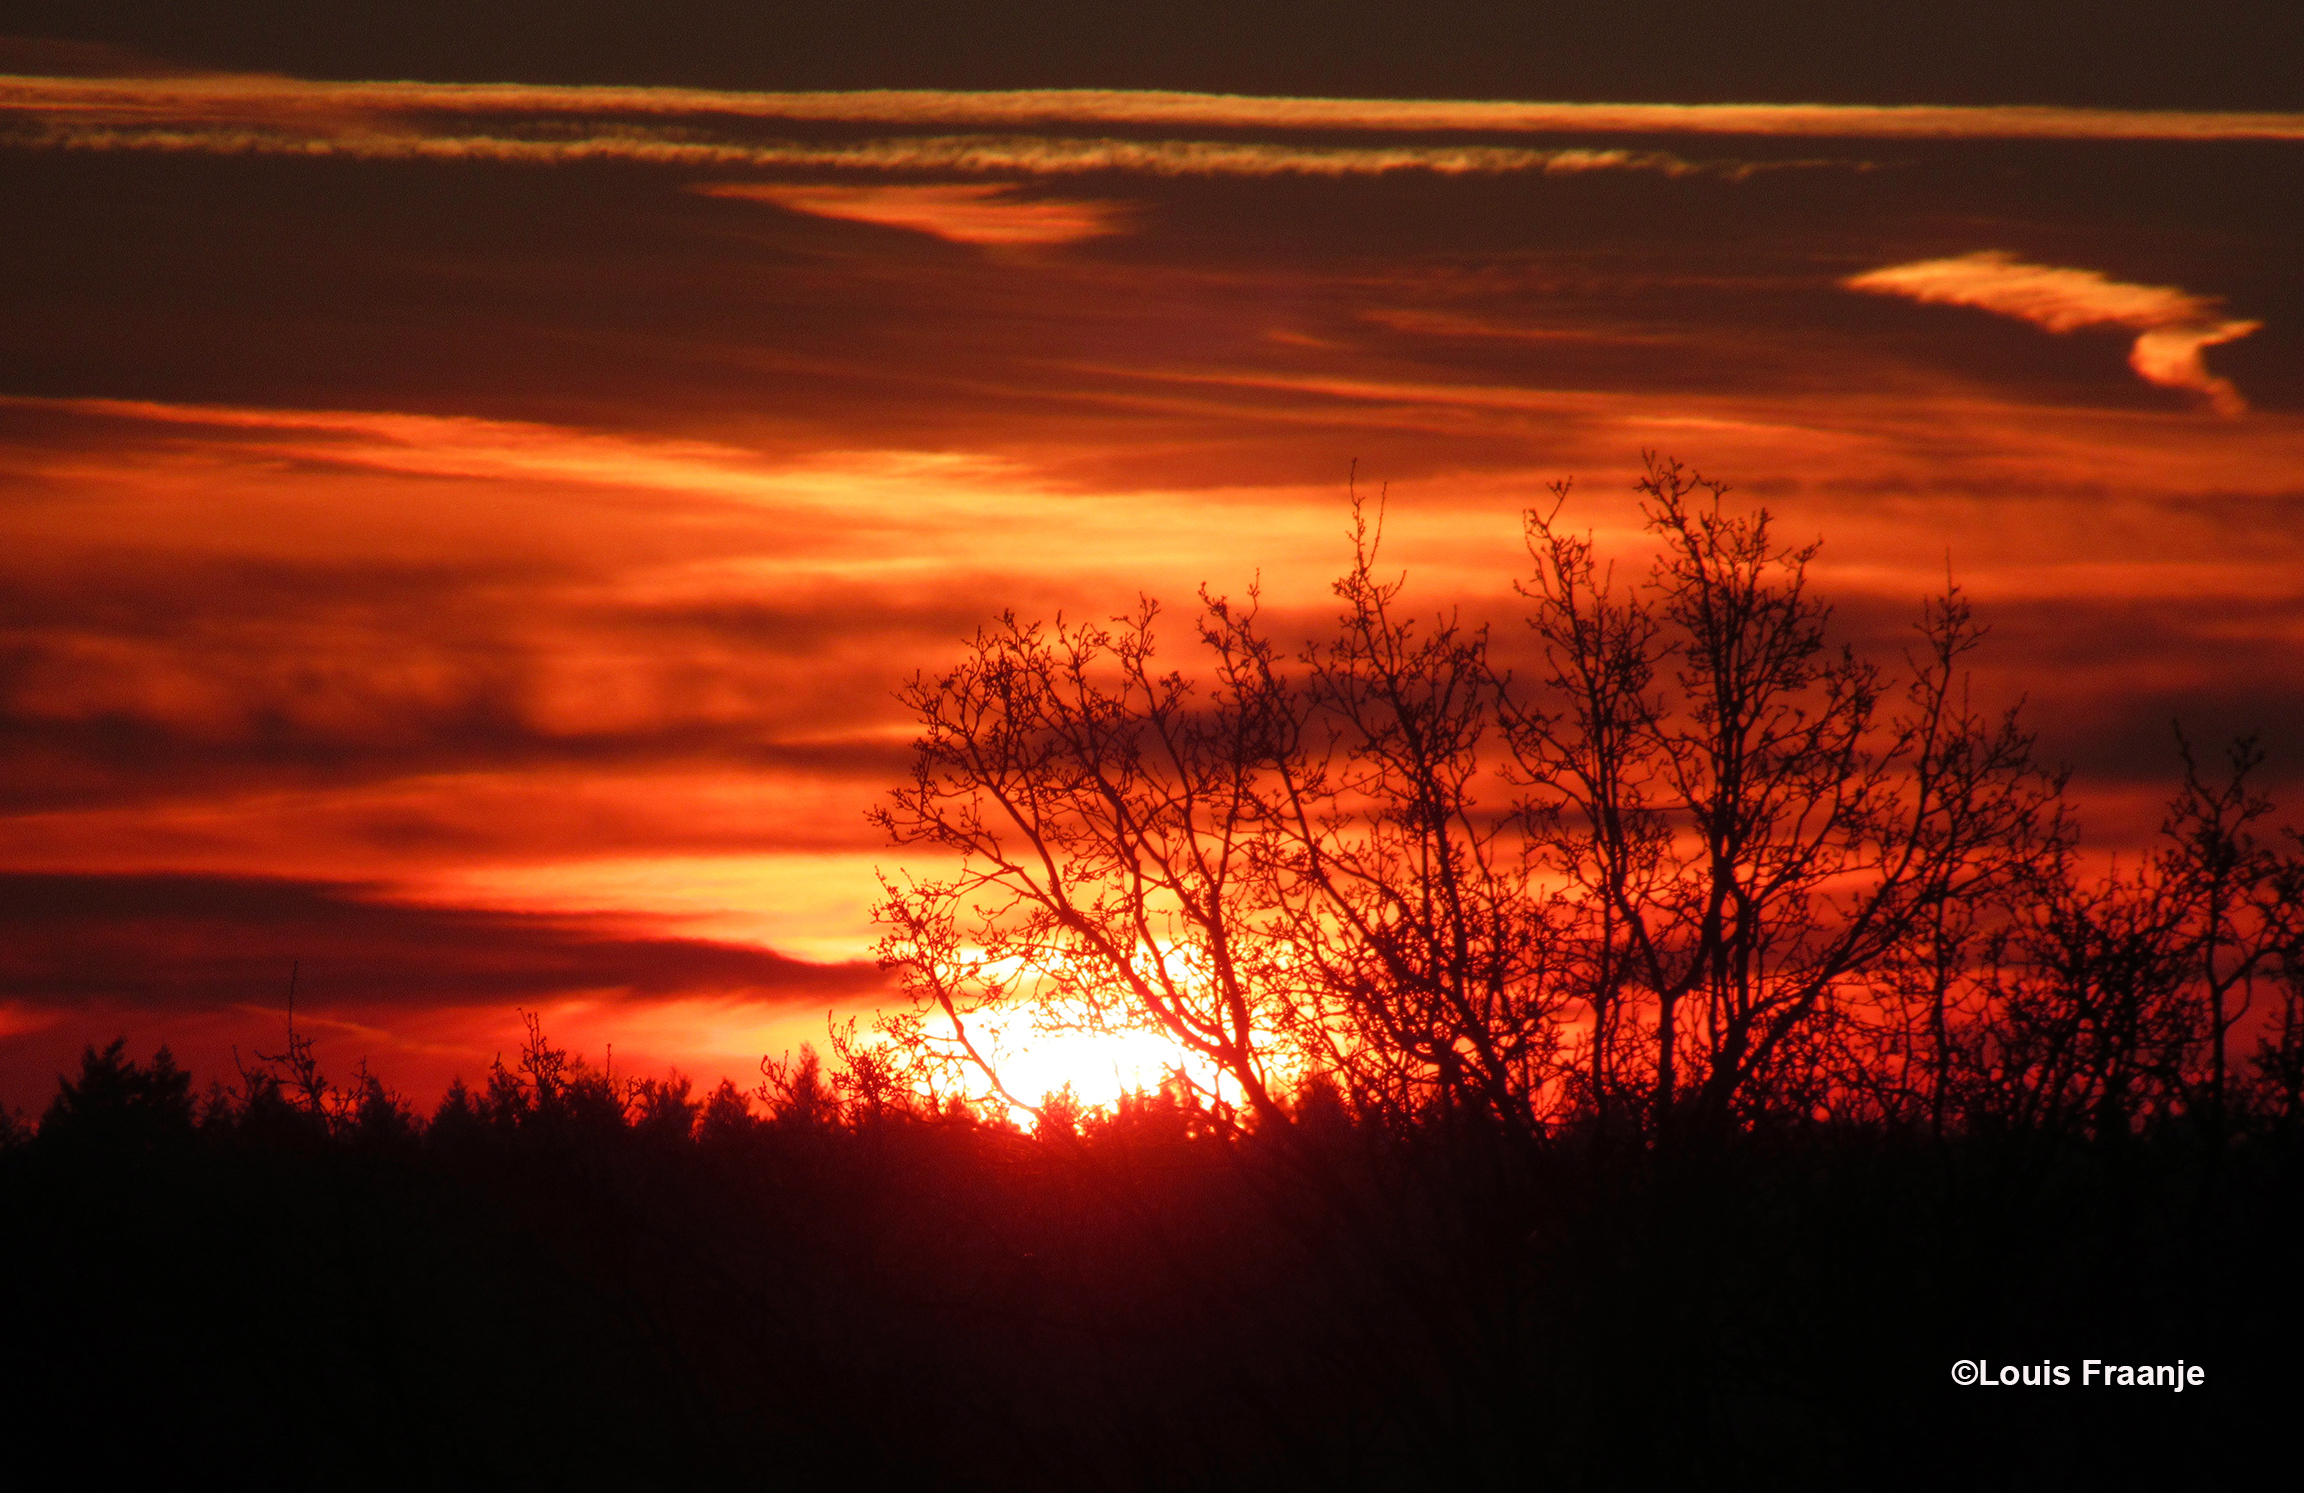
x=559, y=1279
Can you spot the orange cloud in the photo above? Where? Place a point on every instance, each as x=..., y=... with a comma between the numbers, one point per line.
x=2173, y=325
x=969, y=214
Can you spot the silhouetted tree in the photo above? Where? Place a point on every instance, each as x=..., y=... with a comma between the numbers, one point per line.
x=379, y=1117
x=2232, y=907
x=457, y=1121
x=662, y=1112
x=2279, y=1059
x=797, y=1094
x=117, y=1107
x=2092, y=1021
x=1754, y=824
x=728, y=1118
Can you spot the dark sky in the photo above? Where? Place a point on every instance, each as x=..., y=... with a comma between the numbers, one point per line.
x=2164, y=54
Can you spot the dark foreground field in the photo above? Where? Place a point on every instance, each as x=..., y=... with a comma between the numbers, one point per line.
x=590, y=1289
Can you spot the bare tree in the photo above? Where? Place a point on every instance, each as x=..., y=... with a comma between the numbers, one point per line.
x=2231, y=908
x=1106, y=825
x=1283, y=876
x=1425, y=943
x=2091, y=1021
x=2108, y=1000
x=2279, y=1059
x=1755, y=825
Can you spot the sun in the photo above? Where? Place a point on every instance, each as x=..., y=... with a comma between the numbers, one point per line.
x=1099, y=1067
x=1038, y=1058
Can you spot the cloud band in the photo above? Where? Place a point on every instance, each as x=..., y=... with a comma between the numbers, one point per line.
x=225, y=97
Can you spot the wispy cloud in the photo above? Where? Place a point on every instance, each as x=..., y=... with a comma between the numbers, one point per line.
x=966, y=214
x=220, y=97
x=2173, y=325
x=972, y=154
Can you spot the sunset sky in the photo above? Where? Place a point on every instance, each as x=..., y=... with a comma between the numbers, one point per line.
x=473, y=479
